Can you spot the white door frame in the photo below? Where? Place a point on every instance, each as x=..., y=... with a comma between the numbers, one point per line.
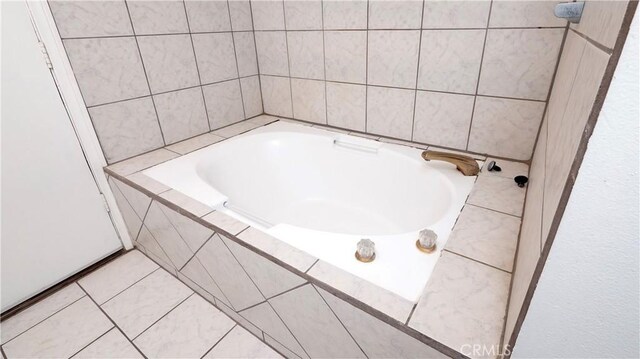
x=65, y=80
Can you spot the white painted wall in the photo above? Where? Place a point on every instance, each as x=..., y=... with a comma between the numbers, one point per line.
x=586, y=303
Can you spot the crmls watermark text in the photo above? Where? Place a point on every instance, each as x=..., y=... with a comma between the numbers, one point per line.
x=483, y=350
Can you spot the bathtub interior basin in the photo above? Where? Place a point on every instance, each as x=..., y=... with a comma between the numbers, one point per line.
x=322, y=192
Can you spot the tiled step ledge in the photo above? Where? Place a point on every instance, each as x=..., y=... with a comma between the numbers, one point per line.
x=493, y=209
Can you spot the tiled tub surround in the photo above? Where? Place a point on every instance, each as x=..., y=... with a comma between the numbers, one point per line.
x=467, y=75
x=153, y=73
x=308, y=308
x=322, y=192
x=587, y=57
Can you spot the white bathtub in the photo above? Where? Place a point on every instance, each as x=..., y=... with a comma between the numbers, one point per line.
x=322, y=191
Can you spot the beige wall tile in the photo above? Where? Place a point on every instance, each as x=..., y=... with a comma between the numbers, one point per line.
x=384, y=14
x=91, y=18
x=272, y=53
x=127, y=128
x=346, y=56
x=458, y=282
x=276, y=95
x=251, y=96
x=346, y=105
x=487, y=236
x=158, y=17
x=240, y=15
x=224, y=103
x=309, y=102
x=107, y=69
x=341, y=15
x=393, y=58
x=216, y=57
x=442, y=119
x=564, y=136
x=245, y=47
x=450, y=60
x=303, y=15
x=268, y=15
x=390, y=112
x=519, y=62
x=207, y=16
x=306, y=54
x=169, y=62
x=455, y=14
x=504, y=127
x=509, y=13
x=182, y=114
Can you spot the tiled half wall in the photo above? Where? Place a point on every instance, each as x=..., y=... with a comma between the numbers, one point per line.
x=469, y=75
x=585, y=57
x=153, y=73
x=296, y=317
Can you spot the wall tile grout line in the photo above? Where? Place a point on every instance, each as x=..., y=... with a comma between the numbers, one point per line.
x=195, y=58
x=213, y=280
x=339, y=321
x=417, y=29
x=196, y=251
x=324, y=63
x=475, y=98
x=286, y=40
x=144, y=69
x=219, y=340
x=415, y=94
x=93, y=341
x=167, y=313
x=255, y=47
x=405, y=88
x=132, y=284
x=366, y=75
x=54, y=313
x=235, y=55
x=112, y=321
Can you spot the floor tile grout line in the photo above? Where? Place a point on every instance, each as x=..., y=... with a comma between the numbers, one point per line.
x=93, y=341
x=165, y=314
x=54, y=313
x=112, y=321
x=475, y=260
x=222, y=338
x=339, y=320
x=136, y=282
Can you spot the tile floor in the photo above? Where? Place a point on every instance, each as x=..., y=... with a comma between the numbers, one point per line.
x=129, y=308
